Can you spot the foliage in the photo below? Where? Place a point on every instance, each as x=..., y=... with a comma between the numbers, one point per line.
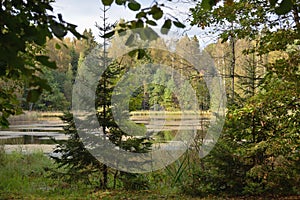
x=75, y=157
x=55, y=99
x=246, y=19
x=25, y=26
x=72, y=156
x=77, y=160
x=149, y=15
x=261, y=135
x=65, y=53
x=9, y=103
x=163, y=95
x=144, y=17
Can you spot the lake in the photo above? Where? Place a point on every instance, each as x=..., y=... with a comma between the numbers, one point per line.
x=37, y=133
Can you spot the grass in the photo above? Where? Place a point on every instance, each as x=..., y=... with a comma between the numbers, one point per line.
x=23, y=176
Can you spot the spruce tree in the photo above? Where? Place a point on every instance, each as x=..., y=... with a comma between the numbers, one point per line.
x=76, y=157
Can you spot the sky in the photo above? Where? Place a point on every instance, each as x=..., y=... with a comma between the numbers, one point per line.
x=85, y=14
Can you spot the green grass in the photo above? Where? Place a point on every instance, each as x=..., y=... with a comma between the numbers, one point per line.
x=24, y=177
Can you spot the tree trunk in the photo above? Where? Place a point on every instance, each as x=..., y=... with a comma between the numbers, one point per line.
x=232, y=69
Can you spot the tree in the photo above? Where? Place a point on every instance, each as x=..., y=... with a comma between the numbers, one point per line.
x=149, y=15
x=54, y=100
x=61, y=79
x=249, y=68
x=72, y=155
x=89, y=66
x=68, y=84
x=59, y=52
x=25, y=26
x=260, y=132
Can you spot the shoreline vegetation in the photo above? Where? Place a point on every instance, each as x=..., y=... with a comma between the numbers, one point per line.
x=46, y=115
x=29, y=116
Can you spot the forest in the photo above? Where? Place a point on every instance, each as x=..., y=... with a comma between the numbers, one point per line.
x=224, y=117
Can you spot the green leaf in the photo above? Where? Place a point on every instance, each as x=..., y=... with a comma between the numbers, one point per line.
x=141, y=54
x=120, y=2
x=41, y=84
x=284, y=7
x=107, y=2
x=44, y=60
x=4, y=123
x=273, y=2
x=60, y=17
x=133, y=53
x=33, y=95
x=133, y=5
x=131, y=25
x=178, y=24
x=156, y=12
x=76, y=34
x=166, y=27
x=108, y=35
x=122, y=32
x=57, y=46
x=151, y=22
x=139, y=24
x=207, y=4
x=58, y=30
x=140, y=14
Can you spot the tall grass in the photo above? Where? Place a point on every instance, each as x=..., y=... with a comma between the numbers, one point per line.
x=17, y=171
x=29, y=116
x=27, y=176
